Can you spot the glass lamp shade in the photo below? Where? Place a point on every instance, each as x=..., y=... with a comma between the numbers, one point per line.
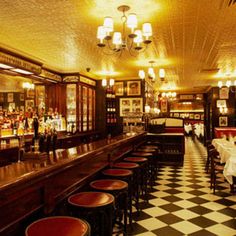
x=163, y=94
x=132, y=21
x=151, y=71
x=117, y=38
x=111, y=82
x=228, y=83
x=173, y=94
x=108, y=24
x=104, y=82
x=162, y=73
x=141, y=74
x=139, y=36
x=101, y=33
x=220, y=84
x=147, y=29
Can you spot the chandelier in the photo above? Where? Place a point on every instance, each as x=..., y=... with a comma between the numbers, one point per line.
x=151, y=73
x=116, y=42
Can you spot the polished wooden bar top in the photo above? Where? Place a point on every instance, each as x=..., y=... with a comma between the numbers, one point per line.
x=16, y=173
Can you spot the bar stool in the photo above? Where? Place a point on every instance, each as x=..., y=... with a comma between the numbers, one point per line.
x=127, y=176
x=143, y=178
x=119, y=189
x=58, y=225
x=136, y=173
x=96, y=208
x=152, y=165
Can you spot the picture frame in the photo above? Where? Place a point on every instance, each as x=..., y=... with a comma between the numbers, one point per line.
x=119, y=88
x=223, y=121
x=197, y=116
x=30, y=93
x=130, y=106
x=133, y=88
x=164, y=105
x=22, y=97
x=10, y=97
x=221, y=103
x=224, y=93
x=29, y=104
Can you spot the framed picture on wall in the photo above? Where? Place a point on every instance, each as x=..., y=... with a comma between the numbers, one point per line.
x=223, y=121
x=130, y=105
x=197, y=116
x=22, y=97
x=10, y=97
x=221, y=103
x=133, y=88
x=29, y=104
x=224, y=93
x=119, y=88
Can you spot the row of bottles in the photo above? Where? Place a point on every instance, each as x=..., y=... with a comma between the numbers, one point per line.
x=110, y=93
x=111, y=118
x=111, y=106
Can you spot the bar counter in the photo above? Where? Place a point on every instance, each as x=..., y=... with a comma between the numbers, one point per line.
x=41, y=184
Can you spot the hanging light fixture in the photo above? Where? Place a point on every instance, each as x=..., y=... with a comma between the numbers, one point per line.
x=136, y=41
x=151, y=73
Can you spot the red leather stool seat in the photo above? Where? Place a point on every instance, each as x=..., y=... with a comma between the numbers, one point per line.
x=126, y=165
x=91, y=199
x=149, y=147
x=108, y=184
x=117, y=172
x=136, y=159
x=146, y=149
x=142, y=154
x=58, y=225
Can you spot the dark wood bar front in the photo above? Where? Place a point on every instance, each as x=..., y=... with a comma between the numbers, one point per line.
x=39, y=186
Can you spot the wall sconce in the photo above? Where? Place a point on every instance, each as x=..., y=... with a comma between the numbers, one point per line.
x=111, y=82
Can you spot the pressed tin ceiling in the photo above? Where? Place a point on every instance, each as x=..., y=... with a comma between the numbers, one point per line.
x=194, y=40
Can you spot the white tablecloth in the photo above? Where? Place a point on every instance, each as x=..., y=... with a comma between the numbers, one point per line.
x=227, y=151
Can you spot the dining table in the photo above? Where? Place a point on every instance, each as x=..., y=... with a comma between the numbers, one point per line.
x=227, y=153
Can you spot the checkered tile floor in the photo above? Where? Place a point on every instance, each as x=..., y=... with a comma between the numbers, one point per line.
x=181, y=202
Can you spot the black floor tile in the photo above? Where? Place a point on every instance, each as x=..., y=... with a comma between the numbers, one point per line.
x=172, y=198
x=225, y=202
x=229, y=212
x=171, y=207
x=197, y=200
x=202, y=221
x=202, y=233
x=196, y=192
x=231, y=223
x=168, y=231
x=172, y=191
x=199, y=210
x=169, y=218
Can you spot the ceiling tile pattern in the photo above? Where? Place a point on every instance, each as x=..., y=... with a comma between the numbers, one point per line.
x=190, y=37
